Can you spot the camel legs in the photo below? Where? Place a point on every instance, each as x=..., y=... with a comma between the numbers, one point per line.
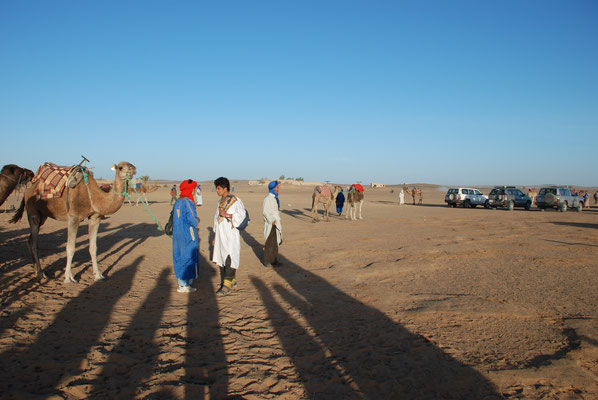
x=94, y=225
x=359, y=204
x=73, y=226
x=314, y=208
x=35, y=223
x=326, y=208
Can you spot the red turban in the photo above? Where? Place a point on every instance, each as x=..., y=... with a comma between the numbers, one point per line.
x=186, y=188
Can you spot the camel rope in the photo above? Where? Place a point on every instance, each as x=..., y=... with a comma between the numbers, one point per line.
x=128, y=196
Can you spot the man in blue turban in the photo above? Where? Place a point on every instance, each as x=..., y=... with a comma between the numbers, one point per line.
x=272, y=224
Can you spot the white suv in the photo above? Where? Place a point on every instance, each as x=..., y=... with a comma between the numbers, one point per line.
x=467, y=197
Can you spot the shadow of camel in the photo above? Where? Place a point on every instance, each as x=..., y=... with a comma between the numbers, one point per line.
x=354, y=351
x=60, y=349
x=577, y=224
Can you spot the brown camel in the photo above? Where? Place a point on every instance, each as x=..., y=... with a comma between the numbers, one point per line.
x=354, y=202
x=322, y=194
x=143, y=190
x=86, y=200
x=12, y=177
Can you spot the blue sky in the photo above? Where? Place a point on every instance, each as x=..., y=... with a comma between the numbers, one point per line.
x=446, y=92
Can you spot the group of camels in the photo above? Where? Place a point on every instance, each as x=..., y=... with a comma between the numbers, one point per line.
x=85, y=200
x=323, y=195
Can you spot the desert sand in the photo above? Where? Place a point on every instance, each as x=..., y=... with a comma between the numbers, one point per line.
x=412, y=302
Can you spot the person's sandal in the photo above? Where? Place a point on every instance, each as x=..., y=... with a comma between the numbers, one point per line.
x=225, y=288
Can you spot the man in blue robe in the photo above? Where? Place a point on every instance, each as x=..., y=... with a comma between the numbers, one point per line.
x=185, y=241
x=340, y=202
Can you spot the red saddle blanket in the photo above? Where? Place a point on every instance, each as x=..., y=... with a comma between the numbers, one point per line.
x=357, y=187
x=51, y=180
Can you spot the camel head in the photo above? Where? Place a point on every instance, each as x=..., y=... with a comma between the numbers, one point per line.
x=124, y=170
x=22, y=175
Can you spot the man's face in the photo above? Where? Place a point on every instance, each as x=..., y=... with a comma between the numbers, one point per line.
x=220, y=191
x=276, y=188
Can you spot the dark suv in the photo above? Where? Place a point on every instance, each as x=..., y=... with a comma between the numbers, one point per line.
x=508, y=196
x=558, y=197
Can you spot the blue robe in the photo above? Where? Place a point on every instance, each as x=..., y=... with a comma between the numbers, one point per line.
x=185, y=241
x=340, y=202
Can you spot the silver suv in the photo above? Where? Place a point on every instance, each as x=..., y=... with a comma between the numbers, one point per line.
x=508, y=196
x=558, y=197
x=467, y=197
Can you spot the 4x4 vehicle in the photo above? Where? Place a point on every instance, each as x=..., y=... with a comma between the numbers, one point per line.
x=467, y=197
x=508, y=196
x=558, y=197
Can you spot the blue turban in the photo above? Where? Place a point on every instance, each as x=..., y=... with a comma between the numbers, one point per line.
x=271, y=186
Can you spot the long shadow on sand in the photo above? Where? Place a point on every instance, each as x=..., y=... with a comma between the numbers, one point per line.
x=133, y=360
x=205, y=361
x=121, y=240
x=577, y=224
x=60, y=349
x=356, y=351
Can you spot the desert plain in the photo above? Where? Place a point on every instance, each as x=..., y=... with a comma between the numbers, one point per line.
x=410, y=302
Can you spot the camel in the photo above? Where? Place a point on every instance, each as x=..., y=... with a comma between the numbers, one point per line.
x=143, y=190
x=354, y=202
x=12, y=177
x=322, y=195
x=85, y=200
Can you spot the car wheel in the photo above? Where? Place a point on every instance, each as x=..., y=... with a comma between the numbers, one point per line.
x=510, y=205
x=528, y=205
x=452, y=197
x=473, y=205
x=579, y=207
x=466, y=204
x=563, y=207
x=486, y=205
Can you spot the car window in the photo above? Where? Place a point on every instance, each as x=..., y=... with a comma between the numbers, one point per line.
x=547, y=190
x=493, y=192
x=520, y=193
x=477, y=192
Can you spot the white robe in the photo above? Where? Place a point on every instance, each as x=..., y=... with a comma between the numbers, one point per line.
x=402, y=197
x=198, y=198
x=271, y=214
x=228, y=240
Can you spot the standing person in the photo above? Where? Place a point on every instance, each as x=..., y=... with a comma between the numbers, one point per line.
x=596, y=197
x=340, y=202
x=402, y=197
x=272, y=224
x=227, y=240
x=198, y=197
x=586, y=199
x=173, y=194
x=185, y=241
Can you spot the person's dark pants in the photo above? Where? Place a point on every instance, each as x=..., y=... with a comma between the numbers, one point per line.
x=271, y=248
x=227, y=274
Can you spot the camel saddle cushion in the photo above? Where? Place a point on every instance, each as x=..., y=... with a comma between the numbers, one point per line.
x=357, y=187
x=324, y=191
x=51, y=179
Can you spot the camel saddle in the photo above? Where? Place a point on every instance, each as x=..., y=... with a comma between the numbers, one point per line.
x=324, y=191
x=51, y=179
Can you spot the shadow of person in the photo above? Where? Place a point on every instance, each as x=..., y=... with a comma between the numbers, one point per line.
x=58, y=352
x=134, y=358
x=206, y=369
x=355, y=351
x=298, y=214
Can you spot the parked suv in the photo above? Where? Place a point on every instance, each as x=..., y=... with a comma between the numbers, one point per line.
x=467, y=197
x=558, y=197
x=508, y=196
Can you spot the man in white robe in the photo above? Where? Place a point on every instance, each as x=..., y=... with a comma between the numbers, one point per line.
x=270, y=210
x=227, y=239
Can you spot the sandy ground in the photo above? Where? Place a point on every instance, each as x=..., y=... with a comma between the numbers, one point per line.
x=412, y=302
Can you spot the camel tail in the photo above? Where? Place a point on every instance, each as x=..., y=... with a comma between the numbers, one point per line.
x=19, y=214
